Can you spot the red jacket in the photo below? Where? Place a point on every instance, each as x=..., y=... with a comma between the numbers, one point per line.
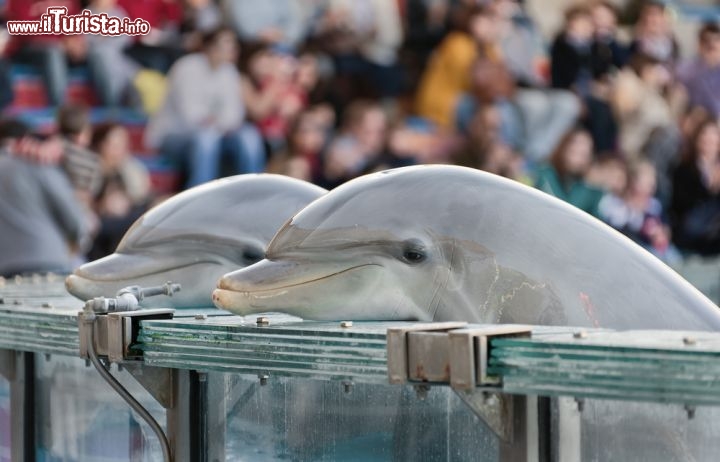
x=157, y=12
x=31, y=10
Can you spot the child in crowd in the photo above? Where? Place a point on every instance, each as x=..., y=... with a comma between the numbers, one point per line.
x=696, y=193
x=360, y=144
x=125, y=190
x=639, y=215
x=306, y=140
x=564, y=177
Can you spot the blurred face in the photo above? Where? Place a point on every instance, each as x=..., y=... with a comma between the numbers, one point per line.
x=645, y=181
x=116, y=147
x=710, y=48
x=578, y=154
x=309, y=136
x=708, y=142
x=654, y=21
x=372, y=129
x=581, y=28
x=224, y=50
x=307, y=71
x=483, y=28
x=604, y=20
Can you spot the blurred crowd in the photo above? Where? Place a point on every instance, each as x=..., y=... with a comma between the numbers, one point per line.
x=608, y=117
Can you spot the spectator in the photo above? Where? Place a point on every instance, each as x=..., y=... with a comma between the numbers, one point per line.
x=564, y=177
x=199, y=17
x=274, y=93
x=543, y=114
x=448, y=75
x=113, y=69
x=52, y=54
x=639, y=215
x=653, y=34
x=198, y=122
x=306, y=140
x=364, y=38
x=579, y=63
x=639, y=102
x=267, y=22
x=571, y=54
x=612, y=53
x=159, y=49
x=696, y=193
x=41, y=224
x=125, y=190
x=701, y=76
x=358, y=147
x=609, y=173
x=80, y=164
x=6, y=93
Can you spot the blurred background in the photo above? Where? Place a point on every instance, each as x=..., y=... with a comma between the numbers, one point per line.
x=609, y=105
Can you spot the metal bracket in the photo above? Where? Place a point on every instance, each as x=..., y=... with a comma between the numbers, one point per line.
x=469, y=354
x=8, y=367
x=399, y=364
x=495, y=409
x=158, y=381
x=115, y=333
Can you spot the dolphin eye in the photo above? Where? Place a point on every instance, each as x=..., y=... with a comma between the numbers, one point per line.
x=252, y=255
x=413, y=252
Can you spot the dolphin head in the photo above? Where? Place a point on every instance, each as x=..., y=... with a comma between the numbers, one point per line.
x=195, y=237
x=388, y=246
x=450, y=243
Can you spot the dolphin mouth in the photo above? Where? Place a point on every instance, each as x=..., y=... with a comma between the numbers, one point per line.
x=266, y=284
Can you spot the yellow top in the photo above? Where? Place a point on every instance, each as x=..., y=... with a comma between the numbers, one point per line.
x=446, y=77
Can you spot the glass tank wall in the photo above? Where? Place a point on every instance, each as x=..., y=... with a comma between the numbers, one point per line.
x=300, y=419
x=4, y=420
x=80, y=418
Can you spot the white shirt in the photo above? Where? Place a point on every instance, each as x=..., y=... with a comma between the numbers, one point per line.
x=196, y=94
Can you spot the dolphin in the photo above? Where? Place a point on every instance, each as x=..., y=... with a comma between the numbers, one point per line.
x=446, y=243
x=195, y=237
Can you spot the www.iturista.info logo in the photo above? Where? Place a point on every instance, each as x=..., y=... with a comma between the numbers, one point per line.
x=57, y=22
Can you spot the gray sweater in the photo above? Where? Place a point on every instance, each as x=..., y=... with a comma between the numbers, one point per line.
x=39, y=218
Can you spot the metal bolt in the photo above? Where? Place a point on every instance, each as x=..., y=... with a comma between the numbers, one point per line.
x=489, y=399
x=580, y=334
x=689, y=340
x=263, y=380
x=47, y=305
x=690, y=411
x=421, y=391
x=580, y=404
x=347, y=386
x=201, y=317
x=263, y=321
x=346, y=324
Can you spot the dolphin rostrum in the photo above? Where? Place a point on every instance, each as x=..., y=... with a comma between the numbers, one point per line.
x=450, y=243
x=195, y=237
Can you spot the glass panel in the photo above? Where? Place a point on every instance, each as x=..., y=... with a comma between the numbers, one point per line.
x=291, y=419
x=4, y=420
x=80, y=418
x=644, y=432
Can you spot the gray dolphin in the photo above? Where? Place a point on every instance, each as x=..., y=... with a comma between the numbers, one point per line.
x=449, y=243
x=195, y=237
